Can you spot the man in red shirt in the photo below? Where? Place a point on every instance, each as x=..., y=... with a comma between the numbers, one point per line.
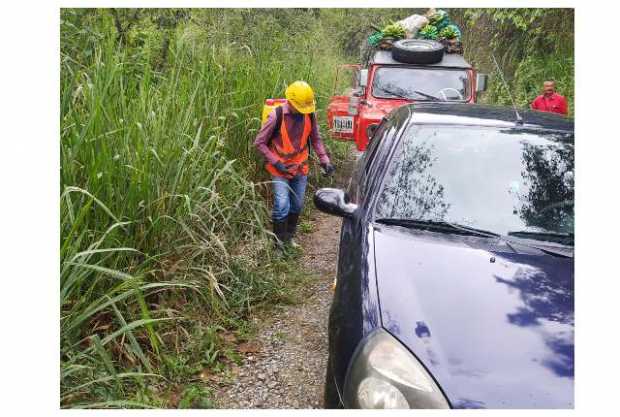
x=550, y=101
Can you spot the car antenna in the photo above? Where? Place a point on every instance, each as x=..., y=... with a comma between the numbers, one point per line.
x=514, y=104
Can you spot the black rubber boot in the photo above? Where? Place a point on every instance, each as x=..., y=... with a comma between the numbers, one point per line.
x=279, y=229
x=291, y=228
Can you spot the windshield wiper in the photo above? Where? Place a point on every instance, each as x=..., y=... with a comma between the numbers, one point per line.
x=395, y=93
x=455, y=228
x=408, y=97
x=438, y=226
x=428, y=96
x=567, y=239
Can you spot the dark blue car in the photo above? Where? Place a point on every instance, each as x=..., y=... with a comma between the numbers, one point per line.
x=455, y=272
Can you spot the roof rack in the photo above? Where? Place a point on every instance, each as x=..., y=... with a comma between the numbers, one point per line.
x=384, y=57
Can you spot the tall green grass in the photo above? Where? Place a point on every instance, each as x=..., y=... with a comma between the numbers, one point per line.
x=163, y=210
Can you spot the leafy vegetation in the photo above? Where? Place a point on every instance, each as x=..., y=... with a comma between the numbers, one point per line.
x=530, y=45
x=449, y=32
x=428, y=32
x=164, y=244
x=393, y=30
x=163, y=212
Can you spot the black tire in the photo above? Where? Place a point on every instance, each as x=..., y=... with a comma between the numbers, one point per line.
x=331, y=399
x=417, y=51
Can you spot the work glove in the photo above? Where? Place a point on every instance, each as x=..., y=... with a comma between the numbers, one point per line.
x=328, y=168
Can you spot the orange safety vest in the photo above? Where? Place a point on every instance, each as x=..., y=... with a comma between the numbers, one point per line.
x=288, y=154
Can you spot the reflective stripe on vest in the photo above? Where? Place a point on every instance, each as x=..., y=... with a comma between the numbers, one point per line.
x=287, y=154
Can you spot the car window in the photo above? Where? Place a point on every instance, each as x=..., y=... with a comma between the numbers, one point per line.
x=414, y=83
x=373, y=145
x=360, y=175
x=381, y=140
x=501, y=180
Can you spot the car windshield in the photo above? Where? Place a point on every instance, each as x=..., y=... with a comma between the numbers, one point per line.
x=420, y=83
x=513, y=181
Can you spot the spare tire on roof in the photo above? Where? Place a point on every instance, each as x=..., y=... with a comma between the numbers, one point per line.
x=417, y=51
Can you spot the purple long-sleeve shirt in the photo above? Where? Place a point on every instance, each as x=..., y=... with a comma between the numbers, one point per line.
x=294, y=126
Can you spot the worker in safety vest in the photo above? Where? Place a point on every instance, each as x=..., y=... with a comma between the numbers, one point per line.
x=284, y=140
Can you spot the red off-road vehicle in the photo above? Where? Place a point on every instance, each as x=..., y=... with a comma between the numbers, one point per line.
x=413, y=71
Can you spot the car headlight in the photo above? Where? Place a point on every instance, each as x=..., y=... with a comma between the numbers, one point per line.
x=384, y=374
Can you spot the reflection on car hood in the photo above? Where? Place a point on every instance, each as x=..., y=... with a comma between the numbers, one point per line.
x=495, y=327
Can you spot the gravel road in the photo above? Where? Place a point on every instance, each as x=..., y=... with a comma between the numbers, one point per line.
x=287, y=368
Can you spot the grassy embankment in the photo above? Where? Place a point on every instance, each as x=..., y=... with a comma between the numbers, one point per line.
x=164, y=249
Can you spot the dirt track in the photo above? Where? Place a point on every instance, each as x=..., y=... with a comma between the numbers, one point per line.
x=287, y=368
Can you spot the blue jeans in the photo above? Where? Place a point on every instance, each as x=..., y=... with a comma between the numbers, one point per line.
x=288, y=196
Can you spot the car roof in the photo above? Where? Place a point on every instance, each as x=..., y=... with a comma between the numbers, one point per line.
x=384, y=57
x=483, y=115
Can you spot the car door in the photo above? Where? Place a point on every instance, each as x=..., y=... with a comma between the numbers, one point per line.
x=349, y=313
x=342, y=111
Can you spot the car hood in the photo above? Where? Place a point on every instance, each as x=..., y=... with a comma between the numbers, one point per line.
x=494, y=327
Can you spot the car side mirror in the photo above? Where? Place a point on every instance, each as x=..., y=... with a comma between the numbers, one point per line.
x=363, y=80
x=481, y=82
x=334, y=201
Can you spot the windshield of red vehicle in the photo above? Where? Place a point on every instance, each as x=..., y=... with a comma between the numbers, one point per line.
x=421, y=84
x=499, y=180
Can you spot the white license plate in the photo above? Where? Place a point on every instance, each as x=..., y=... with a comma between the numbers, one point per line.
x=343, y=124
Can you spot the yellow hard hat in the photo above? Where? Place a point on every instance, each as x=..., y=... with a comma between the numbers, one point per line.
x=301, y=96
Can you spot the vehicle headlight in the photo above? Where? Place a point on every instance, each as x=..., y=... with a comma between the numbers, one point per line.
x=384, y=374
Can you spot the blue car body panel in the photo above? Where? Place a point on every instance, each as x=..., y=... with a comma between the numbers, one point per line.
x=494, y=327
x=354, y=312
